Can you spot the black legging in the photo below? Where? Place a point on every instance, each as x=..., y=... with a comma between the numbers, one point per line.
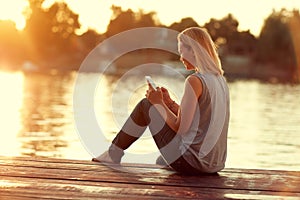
x=145, y=115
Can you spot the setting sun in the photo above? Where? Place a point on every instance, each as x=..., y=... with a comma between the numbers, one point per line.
x=12, y=10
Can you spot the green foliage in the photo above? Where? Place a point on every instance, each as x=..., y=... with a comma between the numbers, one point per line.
x=294, y=25
x=275, y=44
x=89, y=40
x=50, y=32
x=183, y=24
x=225, y=28
x=225, y=33
x=11, y=45
x=50, y=41
x=125, y=20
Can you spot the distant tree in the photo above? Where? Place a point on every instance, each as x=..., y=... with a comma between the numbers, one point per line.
x=224, y=29
x=89, y=40
x=294, y=27
x=11, y=45
x=241, y=43
x=225, y=33
x=50, y=32
x=276, y=45
x=146, y=19
x=126, y=20
x=121, y=21
x=183, y=24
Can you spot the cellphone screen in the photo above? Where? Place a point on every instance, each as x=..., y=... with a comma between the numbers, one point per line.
x=151, y=82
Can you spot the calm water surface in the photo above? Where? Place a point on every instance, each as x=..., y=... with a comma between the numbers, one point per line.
x=37, y=117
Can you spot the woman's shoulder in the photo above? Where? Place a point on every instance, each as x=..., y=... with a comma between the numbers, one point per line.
x=207, y=76
x=196, y=83
x=196, y=78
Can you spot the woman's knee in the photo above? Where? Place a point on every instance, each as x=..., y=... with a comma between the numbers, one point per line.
x=145, y=102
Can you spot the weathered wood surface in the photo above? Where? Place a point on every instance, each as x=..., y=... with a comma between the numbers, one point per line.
x=48, y=178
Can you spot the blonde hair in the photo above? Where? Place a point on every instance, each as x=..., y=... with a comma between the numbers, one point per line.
x=206, y=57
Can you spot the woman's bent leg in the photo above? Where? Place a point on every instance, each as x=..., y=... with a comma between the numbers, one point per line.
x=145, y=115
x=168, y=142
x=133, y=128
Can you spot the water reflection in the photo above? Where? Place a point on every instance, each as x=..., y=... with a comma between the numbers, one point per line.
x=45, y=114
x=39, y=121
x=265, y=125
x=11, y=102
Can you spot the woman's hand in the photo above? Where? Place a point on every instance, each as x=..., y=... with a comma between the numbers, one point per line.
x=155, y=97
x=166, y=96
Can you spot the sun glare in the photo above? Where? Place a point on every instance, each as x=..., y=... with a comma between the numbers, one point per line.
x=11, y=103
x=12, y=10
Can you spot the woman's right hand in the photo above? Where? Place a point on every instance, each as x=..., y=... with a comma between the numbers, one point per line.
x=166, y=96
x=154, y=96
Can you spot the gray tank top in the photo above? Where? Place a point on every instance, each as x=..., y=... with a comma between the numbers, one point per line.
x=205, y=145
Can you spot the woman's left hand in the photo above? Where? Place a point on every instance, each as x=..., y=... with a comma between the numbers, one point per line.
x=155, y=97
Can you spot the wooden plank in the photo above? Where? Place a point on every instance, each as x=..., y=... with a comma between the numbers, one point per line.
x=67, y=162
x=68, y=189
x=49, y=178
x=228, y=180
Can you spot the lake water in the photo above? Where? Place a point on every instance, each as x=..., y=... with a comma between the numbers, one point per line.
x=37, y=117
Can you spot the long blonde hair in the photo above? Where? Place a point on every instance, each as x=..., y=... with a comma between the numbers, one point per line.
x=204, y=49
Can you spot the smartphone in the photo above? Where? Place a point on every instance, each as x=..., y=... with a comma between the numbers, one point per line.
x=151, y=82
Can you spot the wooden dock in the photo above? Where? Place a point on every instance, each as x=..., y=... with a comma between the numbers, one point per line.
x=47, y=178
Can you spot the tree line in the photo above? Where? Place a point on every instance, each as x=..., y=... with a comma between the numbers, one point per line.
x=50, y=39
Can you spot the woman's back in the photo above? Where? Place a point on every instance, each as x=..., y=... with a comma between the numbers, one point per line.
x=206, y=143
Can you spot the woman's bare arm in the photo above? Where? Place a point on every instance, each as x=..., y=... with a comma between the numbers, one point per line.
x=181, y=121
x=189, y=103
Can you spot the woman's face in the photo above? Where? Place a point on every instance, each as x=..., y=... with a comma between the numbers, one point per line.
x=186, y=56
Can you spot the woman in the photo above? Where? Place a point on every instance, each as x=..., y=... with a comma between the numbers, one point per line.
x=192, y=135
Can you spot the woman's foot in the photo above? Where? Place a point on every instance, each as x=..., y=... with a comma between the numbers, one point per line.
x=104, y=157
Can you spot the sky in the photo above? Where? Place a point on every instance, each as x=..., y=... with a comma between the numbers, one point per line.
x=96, y=14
